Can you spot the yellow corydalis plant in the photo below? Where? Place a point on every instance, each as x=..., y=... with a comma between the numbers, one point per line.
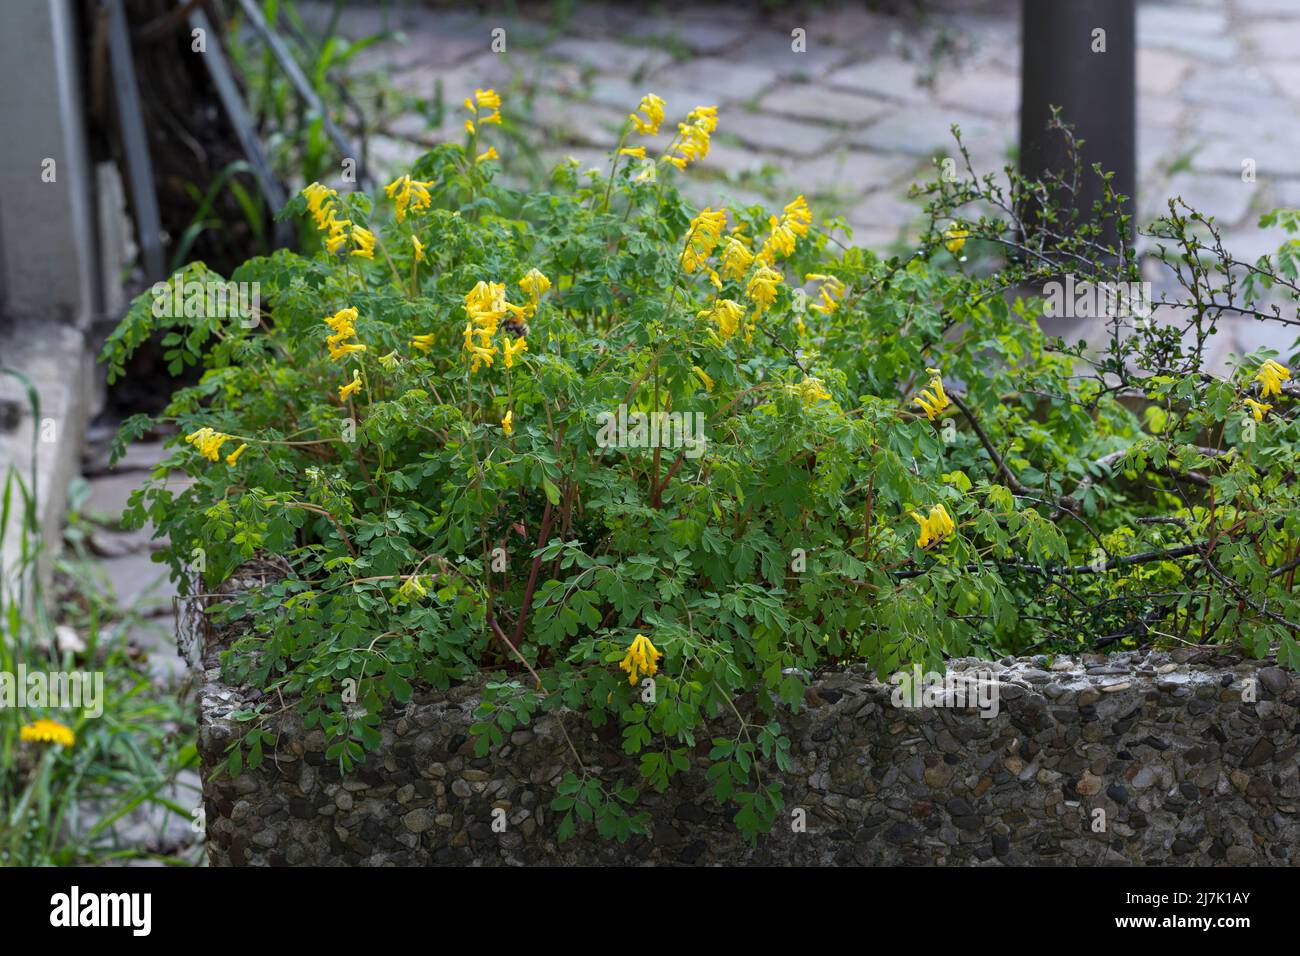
x=322, y=203
x=933, y=400
x=692, y=143
x=761, y=289
x=1271, y=377
x=1258, y=409
x=343, y=326
x=702, y=238
x=351, y=388
x=534, y=285
x=483, y=102
x=642, y=658
x=935, y=526
x=954, y=237
x=653, y=108
x=787, y=229
x=208, y=442
x=726, y=314
x=409, y=195
x=811, y=391
x=832, y=288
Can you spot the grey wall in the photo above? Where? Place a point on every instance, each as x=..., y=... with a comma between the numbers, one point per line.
x=1184, y=770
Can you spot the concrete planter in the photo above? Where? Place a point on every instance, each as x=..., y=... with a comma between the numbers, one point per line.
x=1184, y=758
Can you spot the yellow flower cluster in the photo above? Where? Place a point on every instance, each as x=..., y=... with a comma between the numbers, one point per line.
x=48, y=732
x=934, y=527
x=409, y=195
x=534, y=285
x=933, y=400
x=642, y=658
x=702, y=238
x=792, y=225
x=653, y=108
x=1271, y=377
x=343, y=326
x=832, y=288
x=692, y=143
x=508, y=423
x=954, y=238
x=412, y=589
x=736, y=259
x=352, y=387
x=322, y=204
x=209, y=442
x=726, y=313
x=762, y=288
x=1258, y=409
x=486, y=305
x=484, y=101
x=811, y=391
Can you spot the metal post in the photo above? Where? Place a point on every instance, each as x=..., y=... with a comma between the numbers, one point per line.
x=1063, y=65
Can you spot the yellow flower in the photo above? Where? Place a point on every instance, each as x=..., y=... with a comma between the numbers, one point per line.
x=642, y=658
x=352, y=387
x=811, y=391
x=422, y=342
x=508, y=423
x=653, y=108
x=48, y=732
x=832, y=288
x=419, y=249
x=702, y=236
x=934, y=527
x=234, y=455
x=736, y=259
x=1271, y=376
x=411, y=589
x=480, y=356
x=933, y=400
x=692, y=141
x=727, y=314
x=337, y=237
x=343, y=351
x=535, y=285
x=797, y=216
x=511, y=347
x=955, y=237
x=636, y=152
x=408, y=193
x=486, y=305
x=762, y=288
x=319, y=200
x=704, y=378
x=208, y=442
x=1258, y=409
x=365, y=240
x=343, y=324
x=490, y=153
x=483, y=100
x=469, y=127
x=389, y=361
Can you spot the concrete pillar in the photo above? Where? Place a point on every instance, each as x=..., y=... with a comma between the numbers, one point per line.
x=48, y=227
x=1063, y=65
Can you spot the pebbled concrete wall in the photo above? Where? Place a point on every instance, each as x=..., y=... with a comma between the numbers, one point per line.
x=1190, y=756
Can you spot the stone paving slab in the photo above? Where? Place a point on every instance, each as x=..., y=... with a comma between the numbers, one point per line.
x=861, y=111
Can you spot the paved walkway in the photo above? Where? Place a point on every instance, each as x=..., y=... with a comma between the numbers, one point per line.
x=858, y=115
